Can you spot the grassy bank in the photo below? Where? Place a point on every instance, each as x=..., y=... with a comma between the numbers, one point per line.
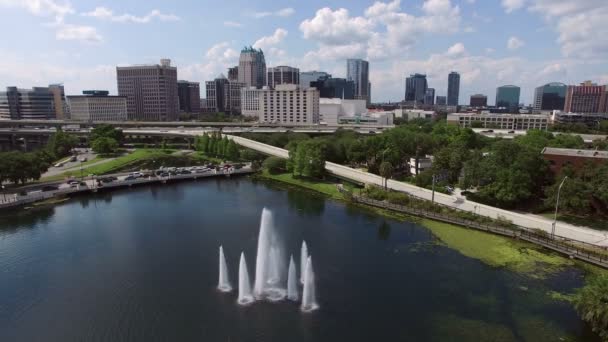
x=494, y=250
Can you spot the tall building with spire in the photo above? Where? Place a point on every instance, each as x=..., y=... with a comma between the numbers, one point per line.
x=252, y=67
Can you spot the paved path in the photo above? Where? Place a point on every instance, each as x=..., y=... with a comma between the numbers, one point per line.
x=569, y=231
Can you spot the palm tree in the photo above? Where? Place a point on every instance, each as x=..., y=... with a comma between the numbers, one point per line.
x=386, y=171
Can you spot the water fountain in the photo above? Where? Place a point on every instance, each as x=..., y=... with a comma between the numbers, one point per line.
x=309, y=300
x=269, y=270
x=245, y=294
x=303, y=258
x=292, y=281
x=224, y=282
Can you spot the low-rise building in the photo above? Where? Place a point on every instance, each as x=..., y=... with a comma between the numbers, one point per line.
x=423, y=164
x=590, y=119
x=411, y=114
x=330, y=110
x=559, y=158
x=95, y=105
x=500, y=121
x=371, y=118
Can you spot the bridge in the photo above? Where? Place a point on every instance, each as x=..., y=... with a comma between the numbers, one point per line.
x=565, y=230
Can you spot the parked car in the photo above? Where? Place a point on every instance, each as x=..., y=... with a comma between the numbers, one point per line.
x=49, y=188
x=185, y=172
x=130, y=178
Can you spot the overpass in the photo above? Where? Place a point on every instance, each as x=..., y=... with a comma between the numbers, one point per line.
x=565, y=230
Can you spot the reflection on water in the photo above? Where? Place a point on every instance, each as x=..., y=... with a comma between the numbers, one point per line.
x=141, y=264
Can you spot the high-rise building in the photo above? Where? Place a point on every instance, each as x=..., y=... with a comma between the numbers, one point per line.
x=61, y=107
x=151, y=91
x=233, y=74
x=282, y=75
x=252, y=67
x=357, y=70
x=442, y=100
x=551, y=96
x=224, y=96
x=289, y=104
x=429, y=97
x=215, y=93
x=335, y=88
x=508, y=97
x=250, y=102
x=312, y=76
x=586, y=98
x=415, y=88
x=29, y=104
x=97, y=105
x=479, y=101
x=453, y=88
x=189, y=94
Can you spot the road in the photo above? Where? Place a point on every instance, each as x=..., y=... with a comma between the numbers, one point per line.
x=569, y=231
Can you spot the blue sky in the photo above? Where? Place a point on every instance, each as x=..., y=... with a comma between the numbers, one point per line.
x=490, y=42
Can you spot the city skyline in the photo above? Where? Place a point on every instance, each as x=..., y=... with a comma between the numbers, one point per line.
x=80, y=44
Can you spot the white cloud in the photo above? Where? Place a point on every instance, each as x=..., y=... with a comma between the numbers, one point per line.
x=283, y=12
x=43, y=8
x=81, y=33
x=107, y=14
x=456, y=49
x=512, y=5
x=515, y=43
x=335, y=27
x=267, y=41
x=232, y=24
x=384, y=31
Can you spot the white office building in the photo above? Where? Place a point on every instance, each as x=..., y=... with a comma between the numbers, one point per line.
x=91, y=108
x=500, y=121
x=250, y=101
x=288, y=104
x=330, y=110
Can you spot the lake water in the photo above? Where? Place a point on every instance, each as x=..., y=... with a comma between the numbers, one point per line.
x=141, y=265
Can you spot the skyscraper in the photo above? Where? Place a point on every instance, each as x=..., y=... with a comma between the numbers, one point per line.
x=357, y=70
x=312, y=76
x=442, y=100
x=224, y=96
x=551, y=96
x=189, y=94
x=429, y=96
x=453, y=88
x=282, y=75
x=252, y=67
x=335, y=88
x=233, y=74
x=151, y=91
x=507, y=96
x=587, y=98
x=415, y=88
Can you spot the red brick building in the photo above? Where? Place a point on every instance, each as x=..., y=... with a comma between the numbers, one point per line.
x=558, y=158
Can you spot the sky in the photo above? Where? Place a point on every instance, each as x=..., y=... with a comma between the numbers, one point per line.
x=489, y=42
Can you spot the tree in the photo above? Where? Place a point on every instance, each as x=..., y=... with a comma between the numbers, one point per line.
x=60, y=144
x=107, y=131
x=274, y=165
x=386, y=171
x=104, y=145
x=232, y=151
x=591, y=302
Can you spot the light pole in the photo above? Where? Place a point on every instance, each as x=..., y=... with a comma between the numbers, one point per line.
x=556, y=206
x=433, y=196
x=3, y=194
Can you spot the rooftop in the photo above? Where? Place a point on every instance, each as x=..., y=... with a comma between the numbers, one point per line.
x=575, y=153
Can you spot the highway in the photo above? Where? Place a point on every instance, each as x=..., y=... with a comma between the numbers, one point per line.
x=565, y=230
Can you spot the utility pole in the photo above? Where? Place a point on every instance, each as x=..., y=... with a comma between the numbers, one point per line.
x=433, y=197
x=556, y=207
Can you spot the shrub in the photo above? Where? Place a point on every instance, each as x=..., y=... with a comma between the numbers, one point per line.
x=275, y=165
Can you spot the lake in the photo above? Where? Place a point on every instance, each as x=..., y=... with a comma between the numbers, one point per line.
x=141, y=264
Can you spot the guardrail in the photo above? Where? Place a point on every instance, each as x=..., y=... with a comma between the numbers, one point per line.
x=575, y=249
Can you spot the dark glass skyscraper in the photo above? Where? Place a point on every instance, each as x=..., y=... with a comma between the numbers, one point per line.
x=551, y=96
x=429, y=97
x=453, y=88
x=357, y=70
x=415, y=88
x=508, y=97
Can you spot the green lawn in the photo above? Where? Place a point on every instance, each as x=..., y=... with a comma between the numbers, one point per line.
x=327, y=188
x=111, y=166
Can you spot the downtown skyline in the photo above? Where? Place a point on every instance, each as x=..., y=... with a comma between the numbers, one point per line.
x=80, y=44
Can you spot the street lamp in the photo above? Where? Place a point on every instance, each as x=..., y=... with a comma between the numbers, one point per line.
x=556, y=206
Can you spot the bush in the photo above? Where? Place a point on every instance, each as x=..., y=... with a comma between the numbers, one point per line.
x=591, y=303
x=398, y=198
x=275, y=165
